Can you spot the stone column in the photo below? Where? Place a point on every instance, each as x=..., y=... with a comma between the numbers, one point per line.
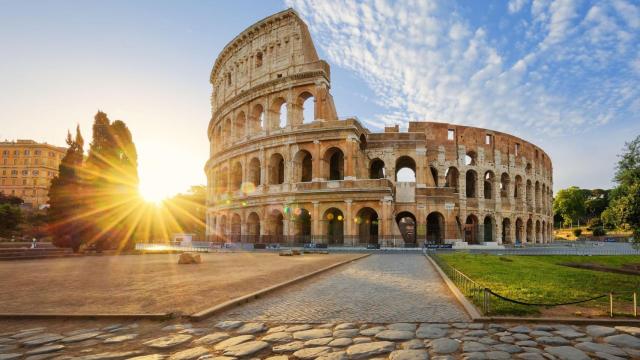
x=349, y=173
x=421, y=167
x=264, y=167
x=315, y=220
x=498, y=228
x=348, y=221
x=316, y=163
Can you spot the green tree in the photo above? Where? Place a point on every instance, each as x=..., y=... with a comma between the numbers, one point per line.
x=570, y=204
x=10, y=218
x=596, y=202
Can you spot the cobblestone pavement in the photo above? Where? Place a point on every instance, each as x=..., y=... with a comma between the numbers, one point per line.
x=230, y=340
x=379, y=288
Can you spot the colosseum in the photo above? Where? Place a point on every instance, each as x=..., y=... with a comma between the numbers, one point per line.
x=285, y=168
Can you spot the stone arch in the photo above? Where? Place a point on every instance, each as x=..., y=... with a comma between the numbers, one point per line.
x=504, y=185
x=529, y=231
x=452, y=177
x=489, y=179
x=434, y=175
x=536, y=196
x=544, y=232
x=275, y=226
x=407, y=224
x=334, y=164
x=506, y=231
x=240, y=125
x=223, y=232
x=236, y=176
x=222, y=181
x=279, y=111
x=301, y=221
x=489, y=226
x=435, y=228
x=376, y=169
x=528, y=168
x=333, y=219
x=257, y=119
x=537, y=238
x=406, y=162
x=529, y=194
x=363, y=142
x=306, y=103
x=471, y=178
x=519, y=231
x=253, y=227
x=470, y=158
x=276, y=169
x=236, y=228
x=254, y=172
x=303, y=166
x=227, y=131
x=367, y=222
x=471, y=230
x=517, y=187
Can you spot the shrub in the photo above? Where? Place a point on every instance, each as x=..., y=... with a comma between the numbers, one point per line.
x=594, y=223
x=577, y=232
x=599, y=231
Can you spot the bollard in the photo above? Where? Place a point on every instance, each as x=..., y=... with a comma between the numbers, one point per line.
x=611, y=304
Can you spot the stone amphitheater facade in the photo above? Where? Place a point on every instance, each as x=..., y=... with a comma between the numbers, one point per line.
x=284, y=168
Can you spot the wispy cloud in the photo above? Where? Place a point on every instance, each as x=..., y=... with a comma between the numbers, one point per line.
x=576, y=66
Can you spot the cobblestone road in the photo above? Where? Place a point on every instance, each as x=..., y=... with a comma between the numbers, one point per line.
x=380, y=288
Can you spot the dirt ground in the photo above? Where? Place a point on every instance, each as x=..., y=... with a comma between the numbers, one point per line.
x=145, y=283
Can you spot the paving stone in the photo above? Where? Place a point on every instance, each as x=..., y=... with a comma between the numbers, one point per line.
x=150, y=357
x=251, y=328
x=606, y=356
x=597, y=347
x=27, y=333
x=312, y=334
x=318, y=342
x=477, y=333
x=498, y=355
x=444, y=346
x=472, y=346
x=497, y=327
x=233, y=341
x=600, y=331
x=507, y=339
x=195, y=331
x=212, y=338
x=402, y=327
x=529, y=343
x=460, y=325
x=443, y=357
x=633, y=353
x=566, y=353
x=530, y=356
x=346, y=333
x=301, y=327
x=520, y=329
x=635, y=331
x=337, y=355
x=246, y=348
x=361, y=340
x=345, y=326
x=119, y=338
x=474, y=356
x=312, y=353
x=81, y=331
x=169, y=341
x=176, y=327
x=292, y=346
x=80, y=337
x=229, y=324
x=583, y=339
x=412, y=344
x=360, y=351
x=430, y=332
x=341, y=342
x=276, y=329
x=511, y=349
x=112, y=355
x=409, y=355
x=372, y=331
x=10, y=356
x=41, y=356
x=569, y=333
x=41, y=339
x=111, y=327
x=277, y=357
x=278, y=337
x=521, y=337
x=190, y=354
x=395, y=335
x=487, y=341
x=539, y=333
x=623, y=340
x=553, y=340
x=531, y=349
x=543, y=327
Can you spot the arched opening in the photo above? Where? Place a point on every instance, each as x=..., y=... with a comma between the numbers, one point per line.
x=222, y=181
x=227, y=132
x=236, y=177
x=471, y=230
x=279, y=110
x=334, y=226
x=504, y=185
x=259, y=59
x=405, y=169
x=303, y=166
x=506, y=231
x=435, y=228
x=222, y=228
x=276, y=169
x=529, y=231
x=367, y=222
x=307, y=103
x=451, y=178
x=276, y=226
x=236, y=228
x=254, y=172
x=528, y=169
x=253, y=228
x=434, y=175
x=529, y=192
x=538, y=233
x=489, y=226
x=470, y=158
x=334, y=164
x=517, y=188
x=488, y=184
x=257, y=119
x=537, y=194
x=407, y=224
x=471, y=180
x=519, y=231
x=301, y=225
x=543, y=234
x=376, y=169
x=363, y=142
x=241, y=121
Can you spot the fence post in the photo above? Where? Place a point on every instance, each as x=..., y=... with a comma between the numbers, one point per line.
x=635, y=305
x=487, y=300
x=611, y=304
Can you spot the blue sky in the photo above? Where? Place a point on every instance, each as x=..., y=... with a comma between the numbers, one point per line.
x=563, y=74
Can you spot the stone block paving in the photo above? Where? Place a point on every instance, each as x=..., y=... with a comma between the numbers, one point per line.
x=380, y=288
x=230, y=340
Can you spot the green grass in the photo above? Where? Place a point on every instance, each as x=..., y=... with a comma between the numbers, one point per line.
x=540, y=279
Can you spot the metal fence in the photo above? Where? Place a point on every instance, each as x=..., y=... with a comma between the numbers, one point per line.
x=572, y=248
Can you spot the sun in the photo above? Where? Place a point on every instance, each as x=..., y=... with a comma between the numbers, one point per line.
x=153, y=193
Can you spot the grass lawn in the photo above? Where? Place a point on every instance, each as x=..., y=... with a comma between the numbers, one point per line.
x=540, y=279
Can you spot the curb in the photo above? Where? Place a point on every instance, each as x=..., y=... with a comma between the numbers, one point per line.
x=41, y=316
x=201, y=315
x=471, y=310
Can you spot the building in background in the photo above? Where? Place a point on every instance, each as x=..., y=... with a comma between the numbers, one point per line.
x=27, y=168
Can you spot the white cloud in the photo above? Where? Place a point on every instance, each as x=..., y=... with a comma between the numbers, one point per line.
x=424, y=61
x=516, y=5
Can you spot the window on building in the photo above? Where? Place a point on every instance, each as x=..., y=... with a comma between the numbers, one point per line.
x=451, y=134
x=228, y=79
x=25, y=172
x=5, y=153
x=38, y=152
x=258, y=59
x=14, y=172
x=4, y=161
x=24, y=181
x=487, y=139
x=16, y=153
x=36, y=173
x=517, y=149
x=27, y=152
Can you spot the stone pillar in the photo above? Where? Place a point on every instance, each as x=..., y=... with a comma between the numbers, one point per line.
x=316, y=163
x=498, y=228
x=315, y=220
x=349, y=173
x=264, y=167
x=348, y=221
x=421, y=167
